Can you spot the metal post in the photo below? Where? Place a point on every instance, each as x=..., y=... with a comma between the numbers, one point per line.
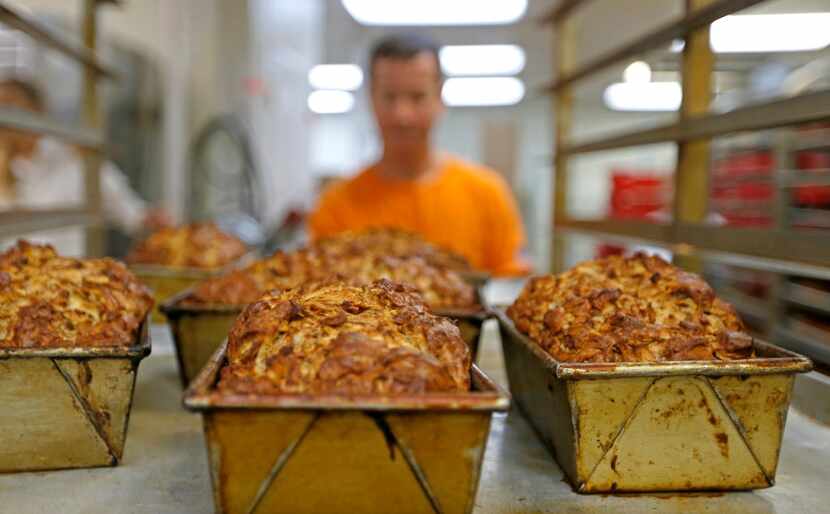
x=691, y=180
x=563, y=106
x=92, y=119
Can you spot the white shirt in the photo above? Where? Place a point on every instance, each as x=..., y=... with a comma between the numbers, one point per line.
x=53, y=178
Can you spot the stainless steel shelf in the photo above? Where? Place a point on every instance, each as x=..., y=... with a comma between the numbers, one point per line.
x=14, y=223
x=561, y=10
x=799, y=252
x=793, y=178
x=747, y=305
x=813, y=345
x=26, y=121
x=809, y=297
x=818, y=219
x=650, y=41
x=777, y=113
x=46, y=36
x=814, y=140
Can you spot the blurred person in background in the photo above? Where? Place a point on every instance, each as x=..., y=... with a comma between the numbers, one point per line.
x=38, y=172
x=415, y=186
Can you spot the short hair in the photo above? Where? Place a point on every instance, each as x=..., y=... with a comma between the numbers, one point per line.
x=404, y=46
x=30, y=91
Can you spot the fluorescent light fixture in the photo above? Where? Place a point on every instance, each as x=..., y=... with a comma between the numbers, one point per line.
x=647, y=96
x=770, y=32
x=346, y=77
x=482, y=91
x=435, y=12
x=758, y=33
x=637, y=72
x=482, y=60
x=330, y=101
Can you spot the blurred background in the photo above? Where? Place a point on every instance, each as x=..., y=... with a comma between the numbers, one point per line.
x=244, y=110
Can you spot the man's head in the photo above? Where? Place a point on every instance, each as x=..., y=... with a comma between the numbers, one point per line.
x=17, y=94
x=405, y=81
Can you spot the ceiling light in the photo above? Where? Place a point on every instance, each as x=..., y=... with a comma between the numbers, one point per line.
x=347, y=77
x=482, y=91
x=435, y=12
x=637, y=72
x=648, y=96
x=330, y=102
x=677, y=45
x=757, y=33
x=482, y=59
x=770, y=32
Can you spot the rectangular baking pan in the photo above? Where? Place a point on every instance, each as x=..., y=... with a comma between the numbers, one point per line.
x=167, y=281
x=344, y=454
x=199, y=329
x=666, y=426
x=67, y=407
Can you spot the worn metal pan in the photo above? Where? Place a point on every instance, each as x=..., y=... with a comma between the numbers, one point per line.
x=166, y=281
x=344, y=454
x=667, y=426
x=66, y=407
x=198, y=330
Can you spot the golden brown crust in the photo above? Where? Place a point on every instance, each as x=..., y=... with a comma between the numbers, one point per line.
x=629, y=309
x=341, y=339
x=48, y=301
x=199, y=245
x=391, y=242
x=240, y=287
x=440, y=288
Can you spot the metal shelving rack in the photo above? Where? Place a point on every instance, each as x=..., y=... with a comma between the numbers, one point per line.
x=88, y=136
x=779, y=249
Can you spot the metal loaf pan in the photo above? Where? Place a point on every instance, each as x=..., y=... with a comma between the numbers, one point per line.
x=344, y=454
x=167, y=281
x=67, y=407
x=198, y=330
x=667, y=426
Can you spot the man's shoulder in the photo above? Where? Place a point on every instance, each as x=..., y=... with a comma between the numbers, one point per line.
x=477, y=175
x=344, y=186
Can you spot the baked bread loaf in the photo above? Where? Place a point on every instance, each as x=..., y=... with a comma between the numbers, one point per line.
x=391, y=242
x=440, y=288
x=342, y=339
x=48, y=301
x=242, y=286
x=199, y=245
x=629, y=309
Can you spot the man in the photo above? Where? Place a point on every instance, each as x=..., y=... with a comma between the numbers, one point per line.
x=414, y=186
x=41, y=172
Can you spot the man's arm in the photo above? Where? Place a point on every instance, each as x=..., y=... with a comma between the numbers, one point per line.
x=506, y=237
x=122, y=205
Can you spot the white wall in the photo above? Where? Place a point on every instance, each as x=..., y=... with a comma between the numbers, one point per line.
x=286, y=43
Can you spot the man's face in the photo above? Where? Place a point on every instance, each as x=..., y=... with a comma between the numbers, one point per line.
x=406, y=97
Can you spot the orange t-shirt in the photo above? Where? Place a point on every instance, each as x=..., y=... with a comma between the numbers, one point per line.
x=464, y=207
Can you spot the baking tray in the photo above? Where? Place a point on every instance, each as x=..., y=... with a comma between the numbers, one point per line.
x=344, y=454
x=67, y=407
x=199, y=329
x=643, y=427
x=167, y=281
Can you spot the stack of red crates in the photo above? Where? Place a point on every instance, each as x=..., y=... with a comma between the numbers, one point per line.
x=743, y=187
x=813, y=196
x=636, y=195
